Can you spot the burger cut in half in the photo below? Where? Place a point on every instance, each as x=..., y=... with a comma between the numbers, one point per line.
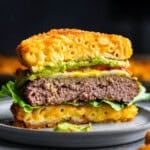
x=74, y=76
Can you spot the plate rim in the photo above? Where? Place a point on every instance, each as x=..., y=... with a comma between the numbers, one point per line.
x=90, y=139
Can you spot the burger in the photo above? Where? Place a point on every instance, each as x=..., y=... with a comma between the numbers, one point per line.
x=74, y=76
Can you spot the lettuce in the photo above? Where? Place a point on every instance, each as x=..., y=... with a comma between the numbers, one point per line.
x=9, y=90
x=4, y=91
x=97, y=103
x=69, y=127
x=74, y=103
x=142, y=96
x=115, y=105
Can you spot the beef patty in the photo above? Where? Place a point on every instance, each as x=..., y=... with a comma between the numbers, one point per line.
x=48, y=91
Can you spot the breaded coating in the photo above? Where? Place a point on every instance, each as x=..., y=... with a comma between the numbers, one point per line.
x=49, y=116
x=62, y=45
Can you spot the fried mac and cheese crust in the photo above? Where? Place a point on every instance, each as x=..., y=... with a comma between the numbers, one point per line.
x=61, y=45
x=49, y=116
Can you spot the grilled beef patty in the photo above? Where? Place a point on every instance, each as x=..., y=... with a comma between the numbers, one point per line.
x=46, y=91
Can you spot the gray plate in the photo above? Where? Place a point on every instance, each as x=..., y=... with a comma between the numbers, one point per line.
x=105, y=134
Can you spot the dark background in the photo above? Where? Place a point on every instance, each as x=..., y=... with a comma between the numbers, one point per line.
x=20, y=19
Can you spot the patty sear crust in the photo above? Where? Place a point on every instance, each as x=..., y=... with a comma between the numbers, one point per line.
x=48, y=91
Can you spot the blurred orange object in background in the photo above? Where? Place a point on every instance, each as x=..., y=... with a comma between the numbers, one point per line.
x=9, y=65
x=140, y=69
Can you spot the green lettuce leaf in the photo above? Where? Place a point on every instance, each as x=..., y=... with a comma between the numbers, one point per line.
x=73, y=103
x=115, y=105
x=4, y=92
x=142, y=96
x=9, y=90
x=95, y=103
x=69, y=127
